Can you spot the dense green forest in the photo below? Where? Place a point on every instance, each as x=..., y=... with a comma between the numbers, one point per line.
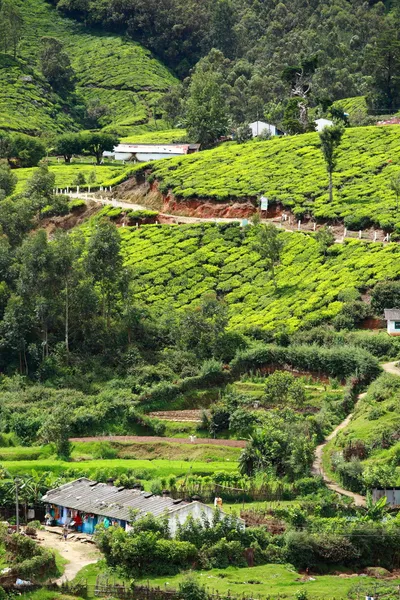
x=256, y=59
x=321, y=50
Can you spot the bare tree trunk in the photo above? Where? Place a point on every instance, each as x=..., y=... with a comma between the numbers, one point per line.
x=330, y=187
x=26, y=362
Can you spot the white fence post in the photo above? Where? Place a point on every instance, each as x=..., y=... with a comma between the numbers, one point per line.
x=299, y=225
x=359, y=234
x=315, y=226
x=375, y=236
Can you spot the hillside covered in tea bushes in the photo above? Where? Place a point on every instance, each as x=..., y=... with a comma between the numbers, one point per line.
x=176, y=266
x=291, y=171
x=109, y=69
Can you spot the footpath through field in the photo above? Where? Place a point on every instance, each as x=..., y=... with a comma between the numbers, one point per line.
x=76, y=551
x=318, y=467
x=153, y=439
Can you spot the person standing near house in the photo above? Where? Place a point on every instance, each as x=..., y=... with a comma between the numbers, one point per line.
x=65, y=534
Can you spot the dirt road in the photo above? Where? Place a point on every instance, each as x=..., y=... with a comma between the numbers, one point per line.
x=391, y=367
x=78, y=554
x=318, y=468
x=153, y=439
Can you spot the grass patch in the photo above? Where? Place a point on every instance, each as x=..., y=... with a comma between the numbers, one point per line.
x=268, y=580
x=163, y=450
x=154, y=468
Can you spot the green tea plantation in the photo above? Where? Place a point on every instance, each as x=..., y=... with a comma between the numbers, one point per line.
x=118, y=73
x=176, y=265
x=291, y=171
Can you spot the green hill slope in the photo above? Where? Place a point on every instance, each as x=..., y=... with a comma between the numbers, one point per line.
x=292, y=171
x=177, y=265
x=120, y=73
x=27, y=102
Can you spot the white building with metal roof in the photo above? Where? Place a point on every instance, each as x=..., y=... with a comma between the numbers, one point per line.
x=147, y=152
x=84, y=503
x=392, y=316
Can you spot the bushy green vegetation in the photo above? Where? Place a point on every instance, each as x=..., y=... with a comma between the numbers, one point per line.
x=194, y=260
x=366, y=453
x=291, y=171
x=220, y=542
x=261, y=38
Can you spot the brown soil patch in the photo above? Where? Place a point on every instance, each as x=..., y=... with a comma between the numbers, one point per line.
x=77, y=553
x=180, y=416
x=152, y=439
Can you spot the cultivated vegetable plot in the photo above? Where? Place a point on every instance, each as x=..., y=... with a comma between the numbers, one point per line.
x=177, y=265
x=291, y=171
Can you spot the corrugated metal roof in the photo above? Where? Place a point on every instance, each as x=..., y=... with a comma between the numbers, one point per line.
x=101, y=499
x=392, y=314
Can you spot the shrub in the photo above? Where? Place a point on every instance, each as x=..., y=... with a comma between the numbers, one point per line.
x=224, y=554
x=357, y=222
x=386, y=295
x=340, y=362
x=191, y=589
x=104, y=450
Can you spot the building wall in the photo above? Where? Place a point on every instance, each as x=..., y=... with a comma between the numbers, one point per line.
x=197, y=510
x=144, y=157
x=123, y=155
x=393, y=496
x=391, y=329
x=257, y=130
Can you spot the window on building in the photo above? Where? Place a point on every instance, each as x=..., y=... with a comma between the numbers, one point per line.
x=397, y=324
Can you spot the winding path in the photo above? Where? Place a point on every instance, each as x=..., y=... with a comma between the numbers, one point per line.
x=391, y=367
x=76, y=553
x=318, y=467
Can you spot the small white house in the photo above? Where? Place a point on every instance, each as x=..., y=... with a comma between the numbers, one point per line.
x=320, y=124
x=147, y=152
x=392, y=316
x=258, y=127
